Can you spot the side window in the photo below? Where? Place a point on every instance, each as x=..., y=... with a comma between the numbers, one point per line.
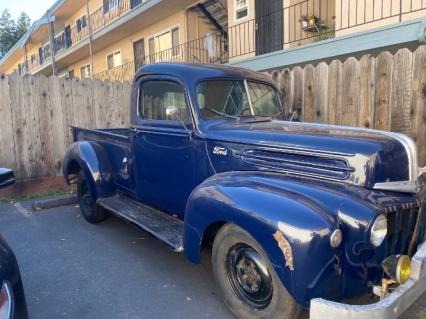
x=156, y=96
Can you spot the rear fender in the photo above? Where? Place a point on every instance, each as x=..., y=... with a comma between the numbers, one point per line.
x=292, y=230
x=92, y=159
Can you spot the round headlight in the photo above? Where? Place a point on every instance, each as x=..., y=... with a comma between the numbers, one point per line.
x=379, y=231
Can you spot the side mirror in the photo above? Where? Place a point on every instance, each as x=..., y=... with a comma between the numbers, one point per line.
x=7, y=177
x=172, y=112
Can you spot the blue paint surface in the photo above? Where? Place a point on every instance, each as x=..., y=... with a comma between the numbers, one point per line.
x=301, y=179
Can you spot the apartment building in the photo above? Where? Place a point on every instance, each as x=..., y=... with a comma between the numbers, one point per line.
x=110, y=39
x=80, y=38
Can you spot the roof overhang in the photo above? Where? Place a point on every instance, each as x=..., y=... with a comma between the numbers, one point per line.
x=33, y=34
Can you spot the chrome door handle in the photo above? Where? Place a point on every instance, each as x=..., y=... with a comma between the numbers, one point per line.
x=136, y=132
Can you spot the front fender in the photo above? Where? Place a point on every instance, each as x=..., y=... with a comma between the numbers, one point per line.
x=92, y=159
x=261, y=205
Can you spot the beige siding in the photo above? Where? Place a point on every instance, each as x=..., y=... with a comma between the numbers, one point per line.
x=241, y=33
x=126, y=45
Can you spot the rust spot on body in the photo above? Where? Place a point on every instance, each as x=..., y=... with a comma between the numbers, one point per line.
x=285, y=248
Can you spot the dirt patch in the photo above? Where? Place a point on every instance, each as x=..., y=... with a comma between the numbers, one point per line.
x=43, y=186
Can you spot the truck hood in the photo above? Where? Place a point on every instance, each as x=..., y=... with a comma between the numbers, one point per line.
x=358, y=156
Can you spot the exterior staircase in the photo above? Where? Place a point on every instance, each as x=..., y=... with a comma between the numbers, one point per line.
x=216, y=12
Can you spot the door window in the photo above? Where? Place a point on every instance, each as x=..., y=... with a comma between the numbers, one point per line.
x=156, y=96
x=139, y=53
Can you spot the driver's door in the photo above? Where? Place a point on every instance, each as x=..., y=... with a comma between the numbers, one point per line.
x=162, y=147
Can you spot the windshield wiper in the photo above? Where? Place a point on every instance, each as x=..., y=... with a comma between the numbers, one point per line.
x=220, y=113
x=268, y=117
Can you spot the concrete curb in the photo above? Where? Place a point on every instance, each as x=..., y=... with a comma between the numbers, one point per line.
x=54, y=201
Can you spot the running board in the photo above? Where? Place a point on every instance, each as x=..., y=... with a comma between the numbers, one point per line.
x=166, y=228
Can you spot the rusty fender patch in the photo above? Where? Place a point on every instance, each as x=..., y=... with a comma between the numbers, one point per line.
x=285, y=248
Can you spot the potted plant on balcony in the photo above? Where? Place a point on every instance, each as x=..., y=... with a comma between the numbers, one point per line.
x=309, y=21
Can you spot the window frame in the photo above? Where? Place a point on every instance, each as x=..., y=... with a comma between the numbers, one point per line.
x=164, y=31
x=108, y=6
x=81, y=25
x=238, y=9
x=33, y=58
x=90, y=71
x=114, y=53
x=141, y=120
x=46, y=48
x=62, y=36
x=197, y=105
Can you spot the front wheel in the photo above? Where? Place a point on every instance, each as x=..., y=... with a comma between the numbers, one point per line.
x=249, y=284
x=91, y=212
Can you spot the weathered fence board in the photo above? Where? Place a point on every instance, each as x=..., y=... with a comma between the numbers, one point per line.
x=366, y=91
x=35, y=113
x=386, y=92
x=383, y=92
x=418, y=102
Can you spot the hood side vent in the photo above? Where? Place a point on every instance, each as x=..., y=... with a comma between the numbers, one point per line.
x=300, y=164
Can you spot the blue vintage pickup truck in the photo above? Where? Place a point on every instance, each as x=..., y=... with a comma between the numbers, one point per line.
x=298, y=215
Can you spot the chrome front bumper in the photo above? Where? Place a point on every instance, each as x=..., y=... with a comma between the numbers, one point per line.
x=390, y=307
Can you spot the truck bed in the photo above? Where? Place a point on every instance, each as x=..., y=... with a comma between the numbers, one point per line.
x=116, y=144
x=84, y=134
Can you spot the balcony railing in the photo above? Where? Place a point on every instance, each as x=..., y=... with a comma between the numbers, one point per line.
x=296, y=24
x=315, y=20
x=212, y=48
x=100, y=18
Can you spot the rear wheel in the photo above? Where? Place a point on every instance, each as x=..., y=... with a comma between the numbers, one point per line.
x=91, y=212
x=248, y=282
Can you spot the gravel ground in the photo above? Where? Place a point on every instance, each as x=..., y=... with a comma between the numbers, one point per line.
x=72, y=269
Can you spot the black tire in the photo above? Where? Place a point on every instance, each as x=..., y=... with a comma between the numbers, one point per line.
x=264, y=297
x=91, y=212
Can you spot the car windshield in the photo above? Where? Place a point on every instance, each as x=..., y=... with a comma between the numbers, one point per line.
x=231, y=98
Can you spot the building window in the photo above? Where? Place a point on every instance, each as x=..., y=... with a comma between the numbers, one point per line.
x=81, y=23
x=60, y=41
x=151, y=48
x=33, y=59
x=164, y=42
x=46, y=51
x=110, y=5
x=85, y=71
x=175, y=41
x=241, y=9
x=114, y=60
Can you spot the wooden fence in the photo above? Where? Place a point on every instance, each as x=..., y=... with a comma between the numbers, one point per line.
x=35, y=113
x=384, y=92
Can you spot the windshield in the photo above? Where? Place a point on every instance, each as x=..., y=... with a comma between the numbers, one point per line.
x=230, y=98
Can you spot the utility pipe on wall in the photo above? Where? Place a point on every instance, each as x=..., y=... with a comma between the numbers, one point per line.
x=89, y=24
x=51, y=37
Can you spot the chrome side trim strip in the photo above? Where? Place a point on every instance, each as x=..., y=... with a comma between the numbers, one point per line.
x=403, y=187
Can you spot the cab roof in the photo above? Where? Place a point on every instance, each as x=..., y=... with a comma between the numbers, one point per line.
x=196, y=72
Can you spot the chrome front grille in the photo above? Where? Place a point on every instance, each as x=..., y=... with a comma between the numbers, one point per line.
x=406, y=229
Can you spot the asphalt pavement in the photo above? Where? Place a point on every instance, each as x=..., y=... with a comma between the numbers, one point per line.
x=72, y=269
